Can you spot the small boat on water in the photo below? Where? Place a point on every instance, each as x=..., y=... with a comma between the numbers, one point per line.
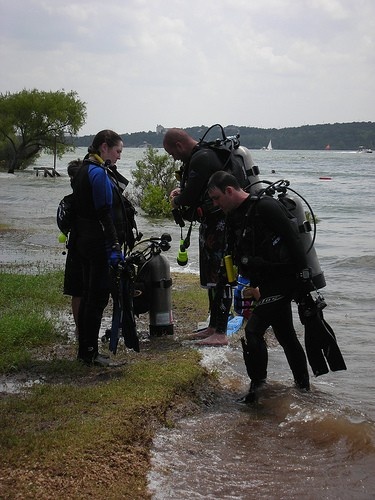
x=269, y=147
x=362, y=149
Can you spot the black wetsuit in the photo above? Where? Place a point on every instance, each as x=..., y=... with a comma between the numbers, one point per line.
x=268, y=251
x=196, y=173
x=100, y=225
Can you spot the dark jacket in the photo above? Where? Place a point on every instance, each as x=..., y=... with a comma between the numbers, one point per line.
x=264, y=242
x=196, y=173
x=96, y=202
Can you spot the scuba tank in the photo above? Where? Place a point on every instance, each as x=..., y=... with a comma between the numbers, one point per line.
x=250, y=171
x=153, y=285
x=161, y=320
x=236, y=159
x=294, y=205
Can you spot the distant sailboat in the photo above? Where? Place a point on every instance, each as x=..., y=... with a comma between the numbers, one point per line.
x=268, y=148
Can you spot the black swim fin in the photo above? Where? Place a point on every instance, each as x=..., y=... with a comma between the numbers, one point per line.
x=123, y=321
x=129, y=328
x=313, y=347
x=117, y=314
x=331, y=350
x=320, y=340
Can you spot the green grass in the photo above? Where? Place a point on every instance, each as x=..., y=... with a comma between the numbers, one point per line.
x=52, y=436
x=25, y=322
x=42, y=289
x=62, y=416
x=86, y=432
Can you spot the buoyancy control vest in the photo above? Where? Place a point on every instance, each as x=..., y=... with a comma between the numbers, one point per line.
x=110, y=199
x=235, y=159
x=263, y=241
x=123, y=209
x=87, y=220
x=223, y=153
x=194, y=178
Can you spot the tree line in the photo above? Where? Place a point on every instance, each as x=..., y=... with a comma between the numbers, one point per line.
x=32, y=121
x=336, y=136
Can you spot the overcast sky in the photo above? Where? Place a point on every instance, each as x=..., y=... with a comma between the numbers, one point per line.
x=139, y=63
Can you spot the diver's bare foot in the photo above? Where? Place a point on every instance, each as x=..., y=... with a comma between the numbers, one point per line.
x=215, y=340
x=202, y=334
